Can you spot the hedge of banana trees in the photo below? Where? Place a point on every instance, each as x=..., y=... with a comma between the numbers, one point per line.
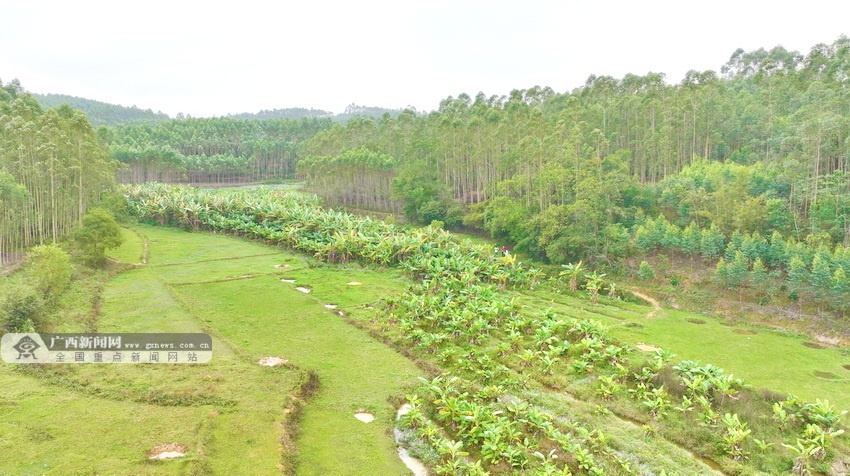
x=480, y=416
x=297, y=221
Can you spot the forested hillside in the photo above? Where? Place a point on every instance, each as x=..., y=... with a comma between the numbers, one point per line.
x=351, y=111
x=761, y=146
x=51, y=169
x=101, y=113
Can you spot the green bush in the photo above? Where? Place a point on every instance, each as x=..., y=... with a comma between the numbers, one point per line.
x=98, y=233
x=21, y=307
x=645, y=271
x=49, y=269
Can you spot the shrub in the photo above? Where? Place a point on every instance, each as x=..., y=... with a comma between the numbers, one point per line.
x=21, y=307
x=98, y=233
x=49, y=267
x=645, y=271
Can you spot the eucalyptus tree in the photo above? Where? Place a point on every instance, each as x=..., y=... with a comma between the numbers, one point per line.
x=52, y=168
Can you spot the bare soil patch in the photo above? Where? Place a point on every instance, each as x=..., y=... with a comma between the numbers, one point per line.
x=826, y=375
x=823, y=339
x=847, y=366
x=696, y=321
x=272, y=361
x=745, y=332
x=284, y=265
x=841, y=466
x=813, y=345
x=364, y=415
x=167, y=451
x=646, y=347
x=656, y=306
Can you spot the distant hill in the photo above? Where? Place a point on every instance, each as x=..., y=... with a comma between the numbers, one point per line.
x=353, y=110
x=101, y=113
x=105, y=114
x=288, y=113
x=350, y=112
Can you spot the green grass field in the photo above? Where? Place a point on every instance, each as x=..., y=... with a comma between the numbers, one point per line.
x=232, y=414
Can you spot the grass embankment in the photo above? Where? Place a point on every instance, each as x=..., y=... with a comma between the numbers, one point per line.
x=235, y=416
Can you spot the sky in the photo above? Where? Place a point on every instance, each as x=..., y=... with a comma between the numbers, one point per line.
x=216, y=58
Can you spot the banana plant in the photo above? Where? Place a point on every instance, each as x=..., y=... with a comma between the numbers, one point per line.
x=735, y=435
x=727, y=386
x=820, y=438
x=821, y=412
x=594, y=284
x=657, y=401
x=706, y=415
x=548, y=363
x=804, y=454
x=608, y=387
x=571, y=272
x=686, y=406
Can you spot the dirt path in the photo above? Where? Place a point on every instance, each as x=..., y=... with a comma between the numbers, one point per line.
x=656, y=306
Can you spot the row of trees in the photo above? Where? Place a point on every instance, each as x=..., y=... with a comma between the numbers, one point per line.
x=219, y=150
x=52, y=167
x=761, y=146
x=357, y=178
x=810, y=268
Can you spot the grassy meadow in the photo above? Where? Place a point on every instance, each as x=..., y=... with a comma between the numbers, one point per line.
x=235, y=416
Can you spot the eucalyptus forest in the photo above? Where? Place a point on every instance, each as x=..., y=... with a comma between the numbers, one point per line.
x=632, y=277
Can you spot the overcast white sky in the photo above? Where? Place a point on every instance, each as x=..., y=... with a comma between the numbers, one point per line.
x=214, y=58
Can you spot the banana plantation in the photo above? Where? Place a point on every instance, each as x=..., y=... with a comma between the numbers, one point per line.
x=516, y=386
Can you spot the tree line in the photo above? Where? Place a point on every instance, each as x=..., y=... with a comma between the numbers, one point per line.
x=218, y=150
x=52, y=168
x=763, y=145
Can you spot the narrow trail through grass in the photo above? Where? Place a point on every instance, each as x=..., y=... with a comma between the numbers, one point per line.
x=656, y=306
